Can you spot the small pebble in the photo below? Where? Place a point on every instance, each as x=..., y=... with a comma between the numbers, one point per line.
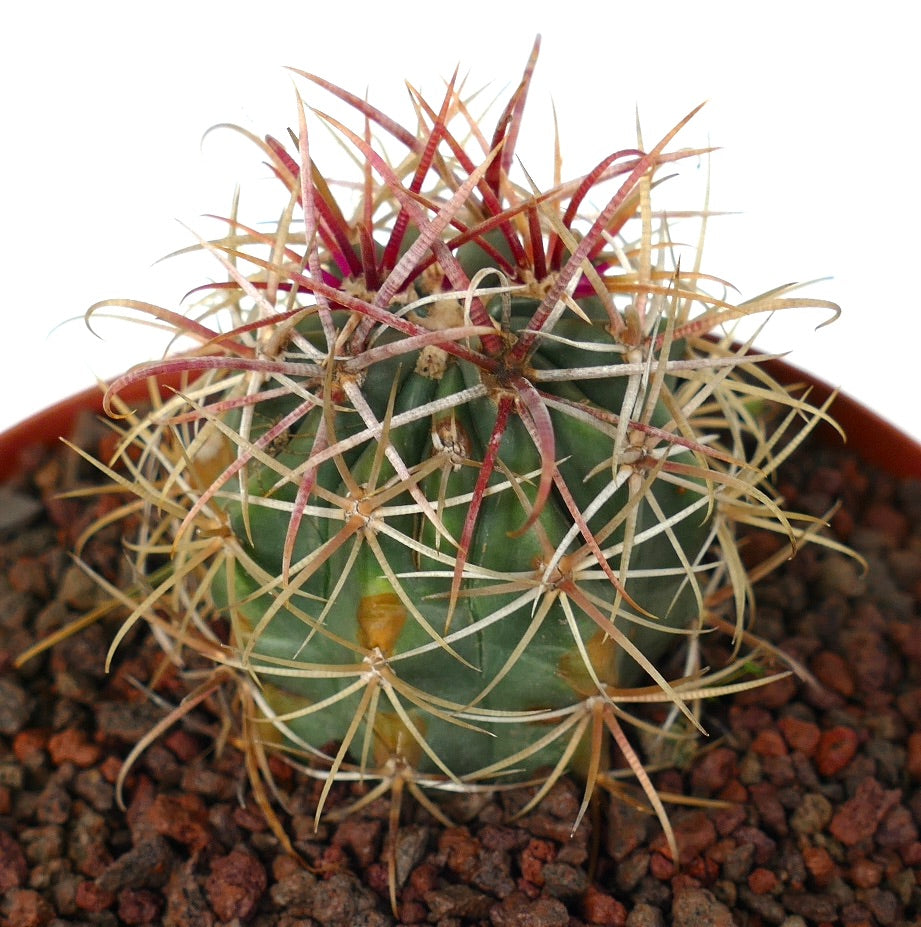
x=802, y=736
x=837, y=747
x=860, y=815
x=17, y=510
x=833, y=672
x=14, y=706
x=235, y=885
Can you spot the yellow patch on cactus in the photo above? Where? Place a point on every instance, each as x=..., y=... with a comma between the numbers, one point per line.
x=380, y=620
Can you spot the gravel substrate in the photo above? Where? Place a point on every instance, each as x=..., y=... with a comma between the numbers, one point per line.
x=820, y=786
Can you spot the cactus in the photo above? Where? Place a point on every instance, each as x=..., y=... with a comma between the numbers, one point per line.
x=444, y=487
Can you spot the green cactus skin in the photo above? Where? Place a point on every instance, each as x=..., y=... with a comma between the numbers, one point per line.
x=444, y=484
x=343, y=624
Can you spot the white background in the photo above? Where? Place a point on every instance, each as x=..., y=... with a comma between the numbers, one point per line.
x=813, y=104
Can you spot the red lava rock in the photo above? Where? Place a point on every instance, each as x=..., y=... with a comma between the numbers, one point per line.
x=600, y=908
x=903, y=633
x=726, y=820
x=764, y=846
x=533, y=857
x=812, y=814
x=139, y=807
x=87, y=844
x=208, y=783
x=896, y=829
x=867, y=658
x=818, y=907
x=29, y=746
x=526, y=888
x=773, y=695
x=91, y=897
x=762, y=881
x=25, y=907
x=251, y=819
x=343, y=899
x=361, y=836
x=842, y=523
x=697, y=907
x=71, y=746
x=284, y=866
x=833, y=672
x=282, y=772
x=377, y=878
x=333, y=859
x=749, y=718
x=820, y=865
x=28, y=574
x=769, y=742
x=911, y=854
x=734, y=792
x=703, y=870
x=410, y=846
x=517, y=910
x=626, y=828
x=759, y=546
x=293, y=890
x=413, y=912
x=235, y=885
x=183, y=818
x=828, y=480
x=13, y=866
x=800, y=735
x=184, y=745
x=662, y=867
x=186, y=905
x=461, y=850
x=771, y=811
x=458, y=903
x=423, y=878
x=694, y=833
x=913, y=759
x=858, y=817
x=866, y=873
x=909, y=704
x=562, y=801
x=889, y=521
x=713, y=771
x=837, y=747
x=146, y=864
x=501, y=838
x=566, y=881
x=110, y=768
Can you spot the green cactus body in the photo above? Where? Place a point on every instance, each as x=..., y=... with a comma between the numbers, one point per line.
x=454, y=470
x=469, y=658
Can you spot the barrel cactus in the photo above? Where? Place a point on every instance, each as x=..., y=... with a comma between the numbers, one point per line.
x=451, y=467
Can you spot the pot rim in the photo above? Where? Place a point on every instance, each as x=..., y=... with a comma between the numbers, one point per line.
x=877, y=440
x=58, y=421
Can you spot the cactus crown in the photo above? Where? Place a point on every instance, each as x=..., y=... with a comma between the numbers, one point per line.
x=442, y=485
